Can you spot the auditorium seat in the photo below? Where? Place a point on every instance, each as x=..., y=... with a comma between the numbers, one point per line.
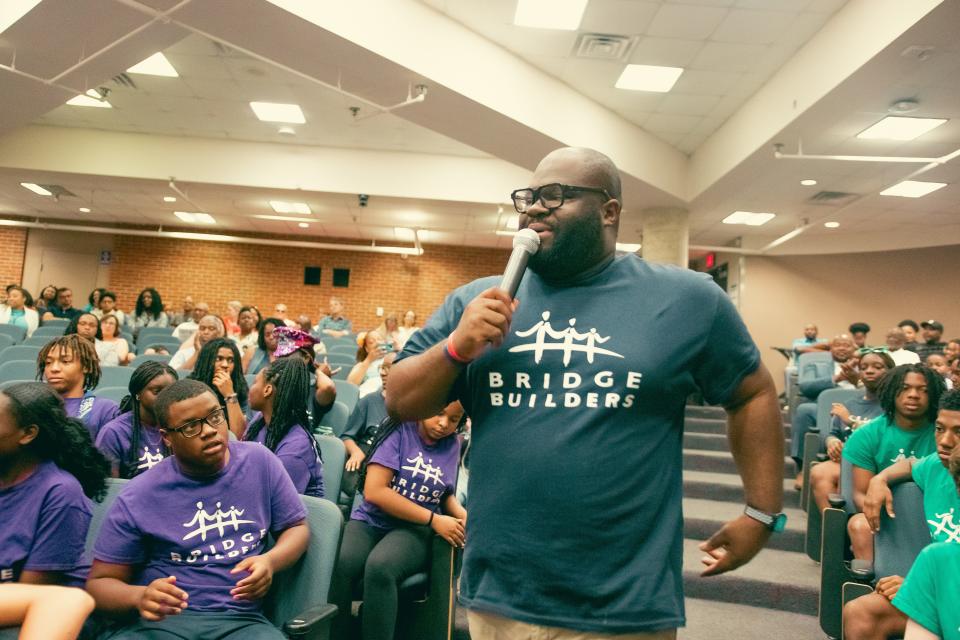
x=251, y=377
x=336, y=418
x=18, y=369
x=112, y=393
x=38, y=341
x=835, y=568
x=172, y=344
x=347, y=393
x=6, y=340
x=152, y=334
x=334, y=456
x=54, y=331
x=153, y=357
x=342, y=349
x=340, y=360
x=55, y=322
x=115, y=376
x=14, y=332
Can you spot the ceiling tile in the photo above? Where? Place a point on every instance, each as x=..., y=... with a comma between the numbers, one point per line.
x=665, y=52
x=728, y=56
x=714, y=83
x=669, y=123
x=704, y=3
x=688, y=105
x=752, y=27
x=791, y=6
x=682, y=21
x=625, y=17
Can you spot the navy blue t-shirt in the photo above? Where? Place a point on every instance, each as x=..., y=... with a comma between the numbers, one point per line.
x=575, y=503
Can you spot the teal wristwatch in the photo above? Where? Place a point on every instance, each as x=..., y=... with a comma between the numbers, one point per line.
x=776, y=522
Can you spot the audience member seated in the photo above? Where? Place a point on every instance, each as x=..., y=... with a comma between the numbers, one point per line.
x=847, y=418
x=48, y=297
x=369, y=355
x=408, y=327
x=280, y=311
x=93, y=300
x=334, y=324
x=364, y=426
x=951, y=351
x=17, y=312
x=209, y=328
x=112, y=348
x=108, y=307
x=132, y=441
x=938, y=362
x=246, y=336
x=843, y=375
x=183, y=331
x=896, y=339
x=280, y=422
x=218, y=367
x=932, y=343
x=86, y=325
x=256, y=359
x=873, y=615
x=910, y=330
x=231, y=318
x=809, y=342
x=910, y=395
x=44, y=612
x=858, y=331
x=160, y=552
x=49, y=474
x=62, y=307
x=148, y=312
x=300, y=344
x=185, y=314
x=304, y=323
x=385, y=540
x=390, y=330
x=69, y=365
x=156, y=350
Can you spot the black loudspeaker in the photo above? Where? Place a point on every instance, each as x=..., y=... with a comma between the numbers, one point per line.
x=311, y=275
x=341, y=277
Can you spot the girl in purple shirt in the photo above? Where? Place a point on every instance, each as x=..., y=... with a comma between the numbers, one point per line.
x=408, y=494
x=49, y=471
x=279, y=393
x=132, y=441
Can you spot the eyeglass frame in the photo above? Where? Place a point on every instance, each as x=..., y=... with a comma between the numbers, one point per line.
x=201, y=421
x=564, y=189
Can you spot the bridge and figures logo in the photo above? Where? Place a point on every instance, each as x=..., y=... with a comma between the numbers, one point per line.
x=945, y=526
x=219, y=520
x=148, y=460
x=567, y=340
x=419, y=467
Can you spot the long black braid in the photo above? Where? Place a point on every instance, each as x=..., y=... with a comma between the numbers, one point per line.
x=290, y=378
x=892, y=384
x=207, y=365
x=141, y=377
x=61, y=439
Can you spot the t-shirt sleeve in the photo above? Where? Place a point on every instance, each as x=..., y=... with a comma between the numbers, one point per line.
x=923, y=469
x=388, y=453
x=861, y=446
x=295, y=466
x=286, y=509
x=120, y=540
x=110, y=411
x=728, y=355
x=110, y=443
x=917, y=597
x=62, y=531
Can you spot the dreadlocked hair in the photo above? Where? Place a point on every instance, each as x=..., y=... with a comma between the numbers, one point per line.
x=290, y=378
x=60, y=439
x=891, y=386
x=82, y=349
x=139, y=379
x=207, y=365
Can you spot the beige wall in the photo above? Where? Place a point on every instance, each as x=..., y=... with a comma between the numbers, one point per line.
x=77, y=265
x=779, y=295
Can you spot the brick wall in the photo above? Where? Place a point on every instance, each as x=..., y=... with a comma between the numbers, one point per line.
x=13, y=246
x=216, y=272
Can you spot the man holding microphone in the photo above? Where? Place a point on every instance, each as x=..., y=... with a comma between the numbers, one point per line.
x=576, y=392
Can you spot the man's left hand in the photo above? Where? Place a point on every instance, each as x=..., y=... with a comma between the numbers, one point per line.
x=256, y=585
x=733, y=546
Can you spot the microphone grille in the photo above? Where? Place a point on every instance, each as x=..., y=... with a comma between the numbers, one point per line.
x=528, y=240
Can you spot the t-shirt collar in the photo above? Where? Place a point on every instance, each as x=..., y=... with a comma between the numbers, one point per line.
x=583, y=276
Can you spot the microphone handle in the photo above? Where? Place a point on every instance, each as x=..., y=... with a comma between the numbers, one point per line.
x=513, y=274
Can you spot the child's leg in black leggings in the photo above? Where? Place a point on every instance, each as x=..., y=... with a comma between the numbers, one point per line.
x=400, y=554
x=358, y=541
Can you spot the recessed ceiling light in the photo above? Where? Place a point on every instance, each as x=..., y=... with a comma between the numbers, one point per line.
x=831, y=225
x=155, y=65
x=900, y=128
x=912, y=189
x=290, y=207
x=279, y=218
x=749, y=218
x=13, y=10
x=89, y=99
x=303, y=225
x=550, y=14
x=645, y=77
x=195, y=218
x=37, y=189
x=169, y=199
x=808, y=182
x=628, y=247
x=277, y=112
x=84, y=209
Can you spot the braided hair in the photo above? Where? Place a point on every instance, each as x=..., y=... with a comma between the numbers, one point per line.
x=891, y=386
x=290, y=378
x=82, y=349
x=207, y=365
x=60, y=439
x=141, y=377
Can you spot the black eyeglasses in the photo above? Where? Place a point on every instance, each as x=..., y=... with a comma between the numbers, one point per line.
x=550, y=196
x=192, y=428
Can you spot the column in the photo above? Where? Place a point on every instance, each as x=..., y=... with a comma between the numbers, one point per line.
x=665, y=235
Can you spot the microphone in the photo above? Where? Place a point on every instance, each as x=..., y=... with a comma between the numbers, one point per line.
x=525, y=243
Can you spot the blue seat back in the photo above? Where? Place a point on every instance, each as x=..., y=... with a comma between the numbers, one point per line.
x=148, y=334
x=15, y=332
x=824, y=403
x=171, y=343
x=846, y=486
x=20, y=352
x=112, y=393
x=18, y=370
x=334, y=457
x=114, y=485
x=900, y=539
x=139, y=360
x=349, y=350
x=336, y=418
x=251, y=377
x=115, y=376
x=347, y=393
x=55, y=322
x=38, y=340
x=814, y=368
x=6, y=340
x=54, y=331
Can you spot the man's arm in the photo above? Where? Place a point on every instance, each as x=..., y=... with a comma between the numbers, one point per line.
x=861, y=481
x=756, y=440
x=878, y=493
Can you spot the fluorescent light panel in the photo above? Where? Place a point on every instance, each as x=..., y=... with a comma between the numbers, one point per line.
x=550, y=14
x=831, y=225
x=195, y=218
x=155, y=65
x=749, y=218
x=900, y=128
x=278, y=112
x=84, y=209
x=169, y=199
x=12, y=10
x=290, y=207
x=912, y=189
x=303, y=225
x=89, y=99
x=37, y=189
x=628, y=247
x=278, y=218
x=645, y=77
x=808, y=182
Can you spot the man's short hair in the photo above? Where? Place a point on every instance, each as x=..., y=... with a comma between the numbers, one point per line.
x=909, y=323
x=950, y=401
x=178, y=392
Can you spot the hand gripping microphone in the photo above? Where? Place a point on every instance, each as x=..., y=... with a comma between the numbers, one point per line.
x=525, y=243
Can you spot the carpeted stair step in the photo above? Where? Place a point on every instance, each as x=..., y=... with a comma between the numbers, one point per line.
x=703, y=518
x=704, y=425
x=728, y=487
x=702, y=411
x=722, y=462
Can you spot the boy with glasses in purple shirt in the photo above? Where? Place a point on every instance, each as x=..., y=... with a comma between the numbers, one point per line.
x=185, y=545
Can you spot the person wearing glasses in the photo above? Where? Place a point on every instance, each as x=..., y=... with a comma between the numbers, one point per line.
x=184, y=546
x=572, y=372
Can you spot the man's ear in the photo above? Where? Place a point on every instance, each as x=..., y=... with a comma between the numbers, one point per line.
x=611, y=213
x=29, y=435
x=167, y=438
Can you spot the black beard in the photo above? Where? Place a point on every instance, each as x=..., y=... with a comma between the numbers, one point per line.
x=576, y=247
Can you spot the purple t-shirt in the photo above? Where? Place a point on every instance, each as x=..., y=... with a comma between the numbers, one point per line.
x=94, y=412
x=197, y=529
x=116, y=439
x=44, y=525
x=298, y=456
x=423, y=473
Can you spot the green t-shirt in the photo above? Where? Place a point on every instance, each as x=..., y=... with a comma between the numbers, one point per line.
x=880, y=443
x=941, y=503
x=929, y=594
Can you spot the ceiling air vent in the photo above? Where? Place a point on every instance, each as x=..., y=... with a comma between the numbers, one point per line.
x=832, y=198
x=125, y=80
x=57, y=191
x=601, y=46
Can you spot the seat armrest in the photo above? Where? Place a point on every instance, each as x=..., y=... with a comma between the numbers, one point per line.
x=304, y=622
x=837, y=501
x=821, y=457
x=862, y=571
